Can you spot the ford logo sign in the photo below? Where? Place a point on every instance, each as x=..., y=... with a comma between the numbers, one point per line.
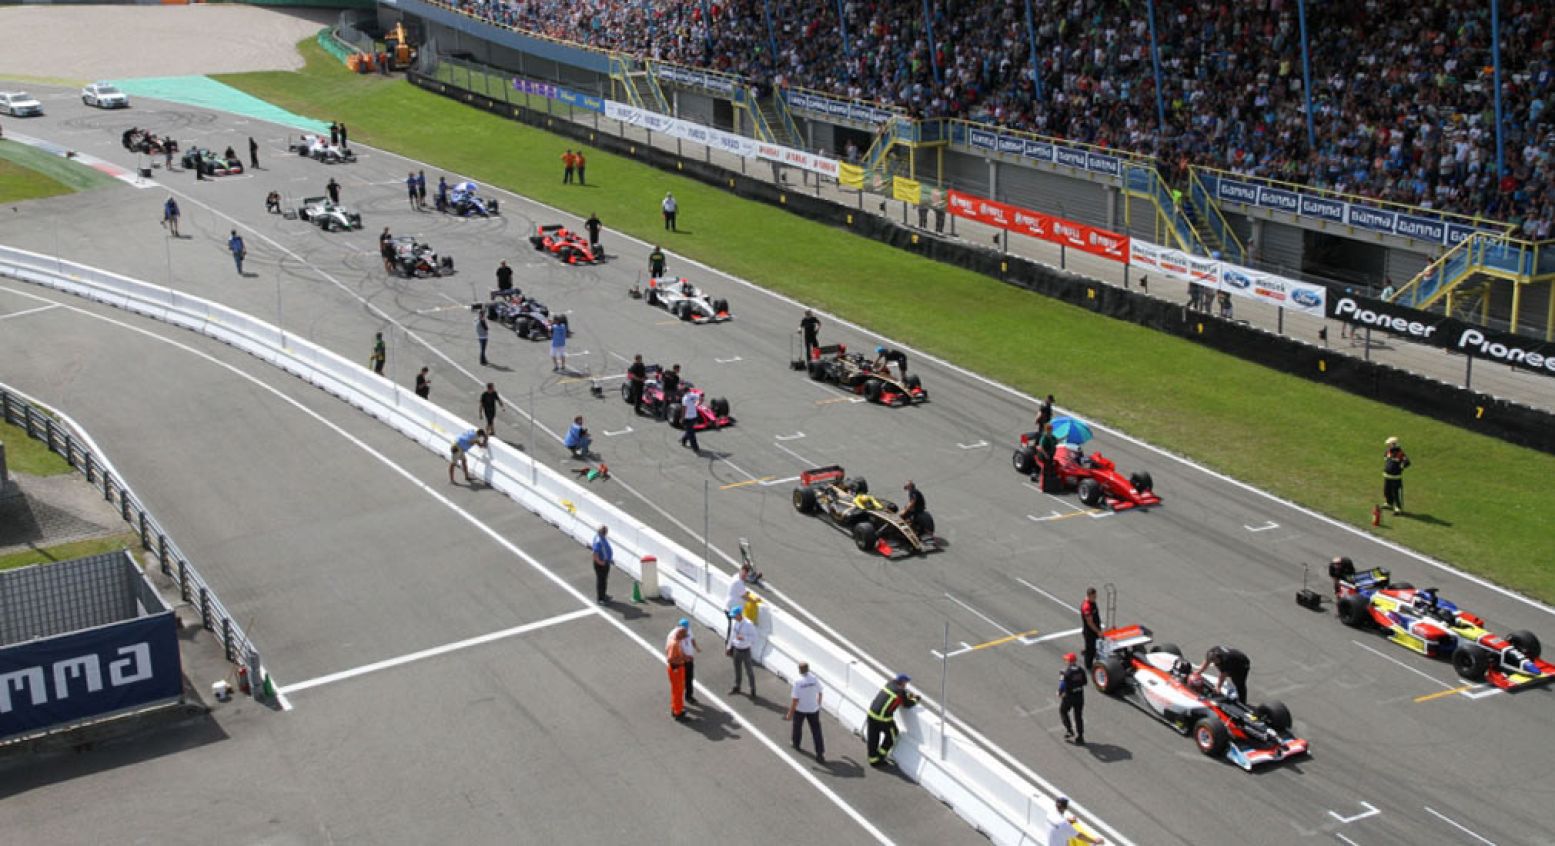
x=1306, y=298
x=1238, y=280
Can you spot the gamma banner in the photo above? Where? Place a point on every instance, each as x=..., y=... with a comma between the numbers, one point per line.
x=1043, y=227
x=1439, y=330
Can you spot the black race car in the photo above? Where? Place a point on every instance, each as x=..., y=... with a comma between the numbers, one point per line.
x=875, y=524
x=859, y=375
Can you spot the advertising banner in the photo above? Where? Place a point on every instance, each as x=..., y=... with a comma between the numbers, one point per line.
x=1445, y=332
x=832, y=107
x=1044, y=227
x=1224, y=276
x=556, y=92
x=907, y=190
x=728, y=142
x=1358, y=215
x=850, y=175
x=72, y=677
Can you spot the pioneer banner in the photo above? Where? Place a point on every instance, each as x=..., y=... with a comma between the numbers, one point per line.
x=1439, y=330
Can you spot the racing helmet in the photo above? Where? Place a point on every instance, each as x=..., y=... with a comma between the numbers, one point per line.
x=1181, y=668
x=879, y=350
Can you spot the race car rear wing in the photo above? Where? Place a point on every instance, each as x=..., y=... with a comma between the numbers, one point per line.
x=1376, y=578
x=831, y=473
x=1126, y=637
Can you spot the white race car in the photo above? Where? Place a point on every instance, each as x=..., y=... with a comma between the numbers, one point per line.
x=104, y=96
x=686, y=301
x=318, y=148
x=330, y=217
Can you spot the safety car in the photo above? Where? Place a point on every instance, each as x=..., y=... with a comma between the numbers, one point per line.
x=1421, y=621
x=678, y=296
x=1095, y=477
x=876, y=525
x=104, y=96
x=711, y=413
x=20, y=104
x=328, y=216
x=858, y=374
x=1159, y=681
x=565, y=244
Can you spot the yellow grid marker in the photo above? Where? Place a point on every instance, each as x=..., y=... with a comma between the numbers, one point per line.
x=1441, y=693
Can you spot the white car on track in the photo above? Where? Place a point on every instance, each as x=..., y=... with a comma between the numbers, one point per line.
x=104, y=96
x=686, y=301
x=20, y=104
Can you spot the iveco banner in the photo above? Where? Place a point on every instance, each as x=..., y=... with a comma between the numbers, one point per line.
x=72, y=677
x=1446, y=332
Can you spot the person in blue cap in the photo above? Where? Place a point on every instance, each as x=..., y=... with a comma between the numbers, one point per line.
x=885, y=357
x=881, y=735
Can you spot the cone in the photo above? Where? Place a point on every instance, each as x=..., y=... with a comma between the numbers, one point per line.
x=1376, y=515
x=637, y=592
x=269, y=687
x=243, y=680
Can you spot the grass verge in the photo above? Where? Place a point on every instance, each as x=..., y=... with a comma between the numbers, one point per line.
x=1474, y=500
x=27, y=173
x=68, y=551
x=30, y=456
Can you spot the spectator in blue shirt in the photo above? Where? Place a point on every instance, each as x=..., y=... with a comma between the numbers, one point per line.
x=577, y=439
x=238, y=250
x=604, y=556
x=466, y=441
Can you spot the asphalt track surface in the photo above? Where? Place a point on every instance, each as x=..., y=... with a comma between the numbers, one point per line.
x=1402, y=751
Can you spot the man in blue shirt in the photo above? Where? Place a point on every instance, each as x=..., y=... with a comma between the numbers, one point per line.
x=235, y=245
x=604, y=556
x=472, y=438
x=577, y=439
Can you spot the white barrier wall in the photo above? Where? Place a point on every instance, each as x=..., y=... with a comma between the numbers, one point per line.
x=995, y=799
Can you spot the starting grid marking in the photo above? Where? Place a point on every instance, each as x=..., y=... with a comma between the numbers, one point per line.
x=1468, y=691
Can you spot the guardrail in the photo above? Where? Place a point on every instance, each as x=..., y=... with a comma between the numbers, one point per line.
x=939, y=755
x=79, y=451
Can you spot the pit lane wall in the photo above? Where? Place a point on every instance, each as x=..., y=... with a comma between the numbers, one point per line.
x=1467, y=409
x=952, y=765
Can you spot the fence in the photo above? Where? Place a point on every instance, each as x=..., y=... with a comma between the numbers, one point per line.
x=76, y=448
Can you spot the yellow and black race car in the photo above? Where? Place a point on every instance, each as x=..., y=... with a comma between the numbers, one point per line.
x=876, y=525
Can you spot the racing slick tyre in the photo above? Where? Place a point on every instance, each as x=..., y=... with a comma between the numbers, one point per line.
x=816, y=370
x=626, y=392
x=653, y=296
x=1107, y=675
x=804, y=500
x=861, y=485
x=913, y=381
x=1402, y=586
x=1090, y=492
x=522, y=327
x=1526, y=643
x=684, y=311
x=1142, y=481
x=1275, y=714
x=864, y=533
x=1352, y=611
x=720, y=406
x=872, y=390
x=1168, y=648
x=721, y=306
x=1471, y=662
x=1024, y=461
x=1210, y=734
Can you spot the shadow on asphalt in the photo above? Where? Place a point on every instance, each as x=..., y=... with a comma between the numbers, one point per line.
x=23, y=773
x=712, y=723
x=1107, y=753
x=842, y=768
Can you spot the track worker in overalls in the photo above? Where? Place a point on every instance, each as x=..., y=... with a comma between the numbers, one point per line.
x=882, y=730
x=1394, y=462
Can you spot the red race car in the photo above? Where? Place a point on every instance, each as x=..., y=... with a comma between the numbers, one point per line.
x=1095, y=477
x=565, y=244
x=711, y=414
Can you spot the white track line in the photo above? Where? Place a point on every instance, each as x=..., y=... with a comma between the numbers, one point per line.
x=1427, y=676
x=1046, y=594
x=1459, y=827
x=27, y=312
x=502, y=541
x=984, y=617
x=437, y=650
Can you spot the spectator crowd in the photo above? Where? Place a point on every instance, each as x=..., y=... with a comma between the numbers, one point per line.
x=1402, y=90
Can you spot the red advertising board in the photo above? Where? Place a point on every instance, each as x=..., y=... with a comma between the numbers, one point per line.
x=1044, y=227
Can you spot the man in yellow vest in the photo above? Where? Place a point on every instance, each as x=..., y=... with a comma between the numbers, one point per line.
x=882, y=730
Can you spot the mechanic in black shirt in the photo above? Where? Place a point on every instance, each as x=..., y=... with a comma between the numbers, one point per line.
x=1233, y=665
x=332, y=188
x=656, y=263
x=810, y=328
x=636, y=376
x=1090, y=623
x=593, y=225
x=504, y=277
x=913, y=512
x=1045, y=413
x=1071, y=697
x=884, y=357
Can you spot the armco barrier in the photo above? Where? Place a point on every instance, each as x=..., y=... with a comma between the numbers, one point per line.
x=1480, y=413
x=985, y=792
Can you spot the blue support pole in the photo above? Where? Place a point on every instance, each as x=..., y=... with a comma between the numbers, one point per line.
x=1306, y=75
x=1495, y=55
x=1155, y=59
x=707, y=19
x=1031, y=36
x=766, y=14
x=928, y=24
x=842, y=27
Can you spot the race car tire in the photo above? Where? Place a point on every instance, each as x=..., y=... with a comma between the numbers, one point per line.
x=626, y=392
x=1526, y=642
x=913, y=381
x=1210, y=735
x=864, y=533
x=1275, y=714
x=1024, y=461
x=1402, y=585
x=684, y=310
x=860, y=485
x=1471, y=662
x=523, y=326
x=1353, y=611
x=721, y=306
x=816, y=370
x=1142, y=481
x=872, y=390
x=653, y=296
x=720, y=406
x=1107, y=675
x=1168, y=648
x=1090, y=492
x=804, y=500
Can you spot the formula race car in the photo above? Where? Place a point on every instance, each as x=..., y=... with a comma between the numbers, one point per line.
x=561, y=242
x=1417, y=619
x=464, y=201
x=413, y=258
x=1094, y=477
x=527, y=317
x=318, y=148
x=329, y=216
x=213, y=163
x=875, y=524
x=711, y=414
x=138, y=140
x=686, y=301
x=858, y=374
x=1159, y=681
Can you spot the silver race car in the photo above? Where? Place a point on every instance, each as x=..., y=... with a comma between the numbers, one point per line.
x=686, y=301
x=328, y=216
